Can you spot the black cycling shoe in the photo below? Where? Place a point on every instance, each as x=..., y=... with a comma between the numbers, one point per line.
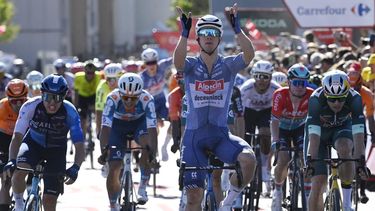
x=363, y=198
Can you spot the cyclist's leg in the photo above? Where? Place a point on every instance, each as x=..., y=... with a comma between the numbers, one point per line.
x=263, y=123
x=5, y=199
x=231, y=149
x=56, y=162
x=344, y=146
x=28, y=156
x=162, y=114
x=249, y=124
x=116, y=145
x=319, y=179
x=83, y=108
x=193, y=154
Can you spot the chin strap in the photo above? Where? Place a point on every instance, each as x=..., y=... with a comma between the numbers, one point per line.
x=208, y=53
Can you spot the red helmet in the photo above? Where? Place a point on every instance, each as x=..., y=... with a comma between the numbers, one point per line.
x=16, y=88
x=77, y=67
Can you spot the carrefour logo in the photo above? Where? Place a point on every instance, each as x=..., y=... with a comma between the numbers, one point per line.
x=360, y=9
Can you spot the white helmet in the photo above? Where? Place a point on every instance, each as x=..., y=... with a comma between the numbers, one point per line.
x=280, y=78
x=2, y=67
x=112, y=70
x=150, y=55
x=262, y=66
x=34, y=78
x=209, y=21
x=336, y=83
x=130, y=84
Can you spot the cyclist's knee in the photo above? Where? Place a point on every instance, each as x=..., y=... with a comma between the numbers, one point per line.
x=247, y=161
x=49, y=201
x=216, y=178
x=344, y=147
x=194, y=196
x=282, y=159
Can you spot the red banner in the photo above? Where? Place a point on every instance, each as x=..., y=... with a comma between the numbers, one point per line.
x=327, y=36
x=168, y=41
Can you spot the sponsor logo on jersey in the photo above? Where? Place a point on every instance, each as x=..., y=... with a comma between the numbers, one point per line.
x=209, y=86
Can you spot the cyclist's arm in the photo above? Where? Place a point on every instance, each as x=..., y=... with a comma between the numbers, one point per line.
x=277, y=108
x=180, y=53
x=107, y=117
x=76, y=133
x=246, y=47
x=313, y=127
x=104, y=137
x=15, y=145
x=275, y=123
x=358, y=126
x=151, y=123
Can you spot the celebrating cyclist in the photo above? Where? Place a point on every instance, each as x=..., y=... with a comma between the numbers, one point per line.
x=209, y=80
x=257, y=102
x=41, y=134
x=34, y=80
x=335, y=116
x=289, y=111
x=129, y=110
x=16, y=92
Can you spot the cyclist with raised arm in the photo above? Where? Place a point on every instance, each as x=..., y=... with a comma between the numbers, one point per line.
x=209, y=80
x=129, y=110
x=154, y=78
x=16, y=92
x=289, y=111
x=62, y=69
x=256, y=96
x=34, y=80
x=85, y=85
x=335, y=116
x=41, y=134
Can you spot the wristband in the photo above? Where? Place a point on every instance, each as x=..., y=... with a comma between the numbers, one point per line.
x=235, y=21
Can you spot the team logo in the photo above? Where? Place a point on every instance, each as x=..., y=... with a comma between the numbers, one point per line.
x=209, y=86
x=360, y=9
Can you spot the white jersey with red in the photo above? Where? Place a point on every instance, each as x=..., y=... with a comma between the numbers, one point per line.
x=282, y=109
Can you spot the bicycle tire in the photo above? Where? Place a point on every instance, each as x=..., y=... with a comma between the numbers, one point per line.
x=294, y=191
x=154, y=182
x=32, y=204
x=252, y=193
x=302, y=188
x=127, y=191
x=355, y=195
x=336, y=200
x=210, y=203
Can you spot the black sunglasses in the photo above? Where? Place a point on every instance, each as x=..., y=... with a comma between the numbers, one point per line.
x=334, y=99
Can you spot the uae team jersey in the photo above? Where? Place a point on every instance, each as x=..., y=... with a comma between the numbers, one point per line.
x=114, y=108
x=254, y=100
x=208, y=95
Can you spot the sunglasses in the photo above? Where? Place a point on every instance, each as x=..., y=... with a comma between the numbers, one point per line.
x=151, y=63
x=262, y=77
x=48, y=97
x=17, y=101
x=298, y=83
x=129, y=98
x=209, y=32
x=334, y=99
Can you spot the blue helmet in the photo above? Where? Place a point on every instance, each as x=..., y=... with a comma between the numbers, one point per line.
x=55, y=84
x=298, y=71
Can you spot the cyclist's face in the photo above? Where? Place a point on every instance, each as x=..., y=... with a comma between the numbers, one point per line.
x=89, y=74
x=151, y=68
x=262, y=81
x=129, y=101
x=112, y=82
x=336, y=105
x=52, y=102
x=209, y=43
x=298, y=87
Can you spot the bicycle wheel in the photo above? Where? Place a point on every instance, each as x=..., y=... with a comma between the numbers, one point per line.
x=128, y=188
x=355, y=195
x=294, y=192
x=335, y=200
x=252, y=193
x=32, y=204
x=210, y=203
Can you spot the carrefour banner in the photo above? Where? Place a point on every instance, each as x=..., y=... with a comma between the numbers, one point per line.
x=332, y=13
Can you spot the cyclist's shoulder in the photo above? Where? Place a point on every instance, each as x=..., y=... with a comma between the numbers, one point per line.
x=317, y=93
x=248, y=84
x=366, y=92
x=70, y=108
x=102, y=85
x=274, y=85
x=79, y=75
x=145, y=96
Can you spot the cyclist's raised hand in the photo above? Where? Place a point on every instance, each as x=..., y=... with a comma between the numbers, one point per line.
x=71, y=174
x=185, y=22
x=8, y=169
x=234, y=20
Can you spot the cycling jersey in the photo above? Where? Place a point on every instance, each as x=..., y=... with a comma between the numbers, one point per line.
x=101, y=95
x=175, y=104
x=86, y=88
x=115, y=109
x=282, y=109
x=8, y=117
x=155, y=84
x=207, y=93
x=49, y=130
x=367, y=100
x=321, y=115
x=254, y=100
x=239, y=80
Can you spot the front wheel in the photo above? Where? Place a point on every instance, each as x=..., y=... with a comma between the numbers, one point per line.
x=32, y=204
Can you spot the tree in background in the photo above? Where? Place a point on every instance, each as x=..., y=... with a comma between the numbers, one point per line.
x=8, y=31
x=196, y=7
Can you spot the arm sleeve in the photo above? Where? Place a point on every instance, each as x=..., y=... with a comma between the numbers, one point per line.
x=357, y=111
x=108, y=111
x=277, y=104
x=26, y=113
x=150, y=113
x=313, y=115
x=74, y=123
